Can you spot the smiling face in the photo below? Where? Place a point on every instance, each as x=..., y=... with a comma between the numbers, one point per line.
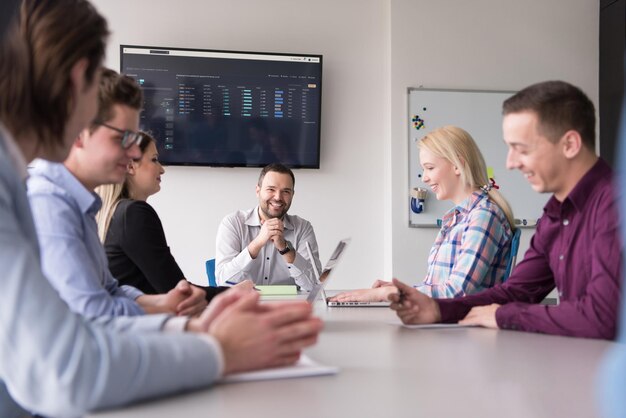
x=275, y=195
x=442, y=176
x=540, y=160
x=145, y=174
x=98, y=157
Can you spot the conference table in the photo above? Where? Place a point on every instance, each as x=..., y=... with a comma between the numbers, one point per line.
x=386, y=370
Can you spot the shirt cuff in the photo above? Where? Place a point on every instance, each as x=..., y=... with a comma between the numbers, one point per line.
x=299, y=265
x=506, y=316
x=175, y=324
x=217, y=349
x=130, y=291
x=452, y=310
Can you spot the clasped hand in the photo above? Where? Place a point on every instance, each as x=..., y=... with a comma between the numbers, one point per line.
x=184, y=299
x=275, y=332
x=273, y=230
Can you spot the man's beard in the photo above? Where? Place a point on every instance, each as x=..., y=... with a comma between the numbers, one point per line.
x=268, y=215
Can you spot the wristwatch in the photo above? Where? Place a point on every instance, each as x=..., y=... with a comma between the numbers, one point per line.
x=288, y=247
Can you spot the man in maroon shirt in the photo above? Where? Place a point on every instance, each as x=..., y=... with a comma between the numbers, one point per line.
x=550, y=132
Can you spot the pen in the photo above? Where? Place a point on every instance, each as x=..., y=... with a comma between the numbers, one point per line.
x=400, y=296
x=230, y=282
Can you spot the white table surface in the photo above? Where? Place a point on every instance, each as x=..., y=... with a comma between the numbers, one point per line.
x=388, y=371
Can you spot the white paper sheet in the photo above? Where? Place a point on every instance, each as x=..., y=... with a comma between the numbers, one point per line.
x=304, y=367
x=431, y=326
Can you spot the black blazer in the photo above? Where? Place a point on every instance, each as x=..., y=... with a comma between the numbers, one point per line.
x=138, y=253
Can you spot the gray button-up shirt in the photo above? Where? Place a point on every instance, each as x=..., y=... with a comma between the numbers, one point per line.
x=234, y=263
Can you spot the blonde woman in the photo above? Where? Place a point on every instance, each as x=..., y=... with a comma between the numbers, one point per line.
x=132, y=232
x=471, y=250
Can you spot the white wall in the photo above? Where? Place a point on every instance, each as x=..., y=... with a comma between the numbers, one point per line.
x=373, y=50
x=341, y=199
x=484, y=45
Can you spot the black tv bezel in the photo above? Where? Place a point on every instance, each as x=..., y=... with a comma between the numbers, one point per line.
x=319, y=126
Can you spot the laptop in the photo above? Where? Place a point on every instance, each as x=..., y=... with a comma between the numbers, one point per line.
x=318, y=289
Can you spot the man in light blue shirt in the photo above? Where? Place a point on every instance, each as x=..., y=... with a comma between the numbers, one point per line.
x=57, y=363
x=64, y=206
x=64, y=214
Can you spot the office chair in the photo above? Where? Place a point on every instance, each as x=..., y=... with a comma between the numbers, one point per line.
x=210, y=272
x=512, y=254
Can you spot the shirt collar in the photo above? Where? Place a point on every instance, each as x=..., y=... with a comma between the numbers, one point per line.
x=253, y=219
x=579, y=195
x=14, y=153
x=463, y=208
x=88, y=202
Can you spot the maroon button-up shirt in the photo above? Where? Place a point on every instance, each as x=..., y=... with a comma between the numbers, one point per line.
x=576, y=248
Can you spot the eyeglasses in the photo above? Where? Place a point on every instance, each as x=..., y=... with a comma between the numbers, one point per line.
x=129, y=138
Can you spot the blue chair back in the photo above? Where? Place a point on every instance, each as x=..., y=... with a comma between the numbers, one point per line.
x=512, y=254
x=210, y=272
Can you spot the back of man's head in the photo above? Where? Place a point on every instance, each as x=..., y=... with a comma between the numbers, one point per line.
x=8, y=12
x=116, y=89
x=560, y=107
x=276, y=168
x=36, y=58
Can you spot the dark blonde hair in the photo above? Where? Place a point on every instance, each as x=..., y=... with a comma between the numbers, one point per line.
x=116, y=89
x=37, y=57
x=457, y=146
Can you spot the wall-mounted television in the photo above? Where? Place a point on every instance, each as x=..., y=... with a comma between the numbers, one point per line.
x=229, y=108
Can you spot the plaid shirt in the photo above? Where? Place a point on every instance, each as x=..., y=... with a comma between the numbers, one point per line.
x=471, y=250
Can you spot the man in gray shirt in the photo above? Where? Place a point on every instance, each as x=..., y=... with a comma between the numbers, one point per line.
x=265, y=244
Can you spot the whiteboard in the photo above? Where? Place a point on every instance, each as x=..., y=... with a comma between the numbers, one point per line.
x=480, y=114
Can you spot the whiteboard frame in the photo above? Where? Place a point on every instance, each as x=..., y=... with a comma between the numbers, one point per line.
x=519, y=223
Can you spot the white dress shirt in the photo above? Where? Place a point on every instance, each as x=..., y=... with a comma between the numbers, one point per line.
x=234, y=263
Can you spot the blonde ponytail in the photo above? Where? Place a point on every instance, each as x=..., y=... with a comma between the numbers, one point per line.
x=111, y=194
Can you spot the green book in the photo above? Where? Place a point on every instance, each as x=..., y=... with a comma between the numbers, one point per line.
x=289, y=289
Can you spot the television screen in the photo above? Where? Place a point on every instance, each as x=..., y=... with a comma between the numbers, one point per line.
x=229, y=108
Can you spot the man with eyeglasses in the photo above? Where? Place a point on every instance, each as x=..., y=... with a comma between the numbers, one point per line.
x=64, y=205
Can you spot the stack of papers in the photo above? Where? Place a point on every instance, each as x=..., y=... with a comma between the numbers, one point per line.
x=304, y=367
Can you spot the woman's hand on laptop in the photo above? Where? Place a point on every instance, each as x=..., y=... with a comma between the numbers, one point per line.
x=381, y=283
x=378, y=294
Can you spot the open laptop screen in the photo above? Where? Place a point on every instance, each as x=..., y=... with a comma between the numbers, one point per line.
x=328, y=268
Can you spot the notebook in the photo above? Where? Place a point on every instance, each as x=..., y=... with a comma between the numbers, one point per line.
x=324, y=277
